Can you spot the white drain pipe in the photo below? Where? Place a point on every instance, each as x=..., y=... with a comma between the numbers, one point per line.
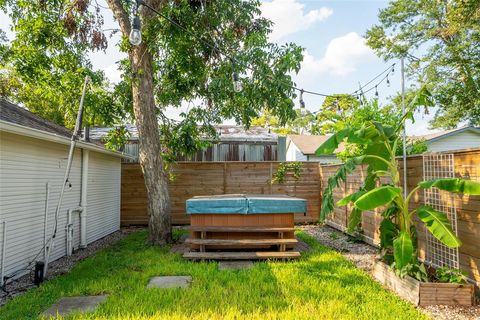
x=45, y=222
x=4, y=247
x=83, y=199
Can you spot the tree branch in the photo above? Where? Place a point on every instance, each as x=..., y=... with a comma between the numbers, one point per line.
x=121, y=15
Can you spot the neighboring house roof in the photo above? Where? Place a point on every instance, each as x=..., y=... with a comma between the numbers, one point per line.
x=231, y=133
x=18, y=120
x=309, y=144
x=444, y=134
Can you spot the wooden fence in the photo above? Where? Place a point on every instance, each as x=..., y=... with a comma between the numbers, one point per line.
x=207, y=178
x=467, y=165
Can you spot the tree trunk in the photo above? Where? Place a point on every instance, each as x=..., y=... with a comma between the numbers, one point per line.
x=148, y=134
x=149, y=146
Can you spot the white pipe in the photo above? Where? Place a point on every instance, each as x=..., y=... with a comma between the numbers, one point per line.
x=83, y=199
x=73, y=142
x=4, y=247
x=45, y=222
x=69, y=233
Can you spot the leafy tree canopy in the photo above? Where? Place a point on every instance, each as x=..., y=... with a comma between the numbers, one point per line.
x=46, y=63
x=44, y=66
x=446, y=34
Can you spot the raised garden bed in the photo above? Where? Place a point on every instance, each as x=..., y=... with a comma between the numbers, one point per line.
x=424, y=293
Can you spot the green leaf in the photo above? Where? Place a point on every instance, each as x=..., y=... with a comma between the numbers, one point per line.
x=334, y=181
x=377, y=197
x=439, y=225
x=388, y=231
x=332, y=143
x=354, y=219
x=350, y=198
x=402, y=249
x=453, y=185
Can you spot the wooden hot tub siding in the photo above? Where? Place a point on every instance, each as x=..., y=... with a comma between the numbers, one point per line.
x=279, y=220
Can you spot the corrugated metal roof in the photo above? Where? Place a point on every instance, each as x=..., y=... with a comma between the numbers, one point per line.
x=225, y=133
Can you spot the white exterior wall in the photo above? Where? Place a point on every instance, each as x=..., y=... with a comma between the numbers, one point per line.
x=293, y=153
x=462, y=140
x=103, y=196
x=26, y=165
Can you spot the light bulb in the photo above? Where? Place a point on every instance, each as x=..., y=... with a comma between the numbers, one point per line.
x=302, y=103
x=237, y=84
x=135, y=36
x=388, y=82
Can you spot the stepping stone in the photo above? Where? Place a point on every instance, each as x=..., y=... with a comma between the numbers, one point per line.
x=67, y=305
x=234, y=265
x=170, y=282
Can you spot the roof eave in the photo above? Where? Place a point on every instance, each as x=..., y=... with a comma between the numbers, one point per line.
x=474, y=129
x=47, y=136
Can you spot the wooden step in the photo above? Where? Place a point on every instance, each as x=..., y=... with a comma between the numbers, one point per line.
x=240, y=229
x=259, y=255
x=228, y=242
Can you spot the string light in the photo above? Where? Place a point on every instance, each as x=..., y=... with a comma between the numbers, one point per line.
x=388, y=82
x=376, y=92
x=237, y=84
x=135, y=38
x=302, y=103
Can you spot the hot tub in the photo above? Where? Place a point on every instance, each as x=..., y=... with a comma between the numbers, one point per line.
x=243, y=221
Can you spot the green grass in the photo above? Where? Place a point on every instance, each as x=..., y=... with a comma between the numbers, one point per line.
x=321, y=285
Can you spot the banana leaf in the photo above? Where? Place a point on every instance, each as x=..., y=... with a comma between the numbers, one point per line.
x=377, y=197
x=453, y=185
x=439, y=225
x=350, y=198
x=402, y=249
x=354, y=219
x=388, y=231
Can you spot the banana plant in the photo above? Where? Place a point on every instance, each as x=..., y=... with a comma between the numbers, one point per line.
x=397, y=231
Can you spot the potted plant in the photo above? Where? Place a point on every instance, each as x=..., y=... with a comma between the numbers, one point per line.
x=397, y=231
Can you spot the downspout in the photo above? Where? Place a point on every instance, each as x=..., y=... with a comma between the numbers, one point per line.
x=4, y=248
x=83, y=199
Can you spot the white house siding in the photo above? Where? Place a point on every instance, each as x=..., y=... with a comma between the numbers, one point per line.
x=26, y=165
x=103, y=196
x=294, y=154
x=462, y=140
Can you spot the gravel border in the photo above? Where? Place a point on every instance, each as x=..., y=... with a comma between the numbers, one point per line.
x=62, y=265
x=363, y=256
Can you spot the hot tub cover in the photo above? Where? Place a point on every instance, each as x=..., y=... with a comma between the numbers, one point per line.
x=245, y=204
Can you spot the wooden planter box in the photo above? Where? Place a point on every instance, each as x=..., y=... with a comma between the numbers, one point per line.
x=425, y=293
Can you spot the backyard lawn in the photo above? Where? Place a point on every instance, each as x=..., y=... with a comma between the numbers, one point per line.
x=321, y=285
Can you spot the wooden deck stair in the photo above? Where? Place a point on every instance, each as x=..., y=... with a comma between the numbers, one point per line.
x=229, y=242
x=200, y=240
x=260, y=255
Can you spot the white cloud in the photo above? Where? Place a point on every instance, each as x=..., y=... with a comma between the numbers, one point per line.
x=341, y=57
x=113, y=74
x=289, y=16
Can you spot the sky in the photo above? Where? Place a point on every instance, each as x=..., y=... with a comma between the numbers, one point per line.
x=336, y=58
